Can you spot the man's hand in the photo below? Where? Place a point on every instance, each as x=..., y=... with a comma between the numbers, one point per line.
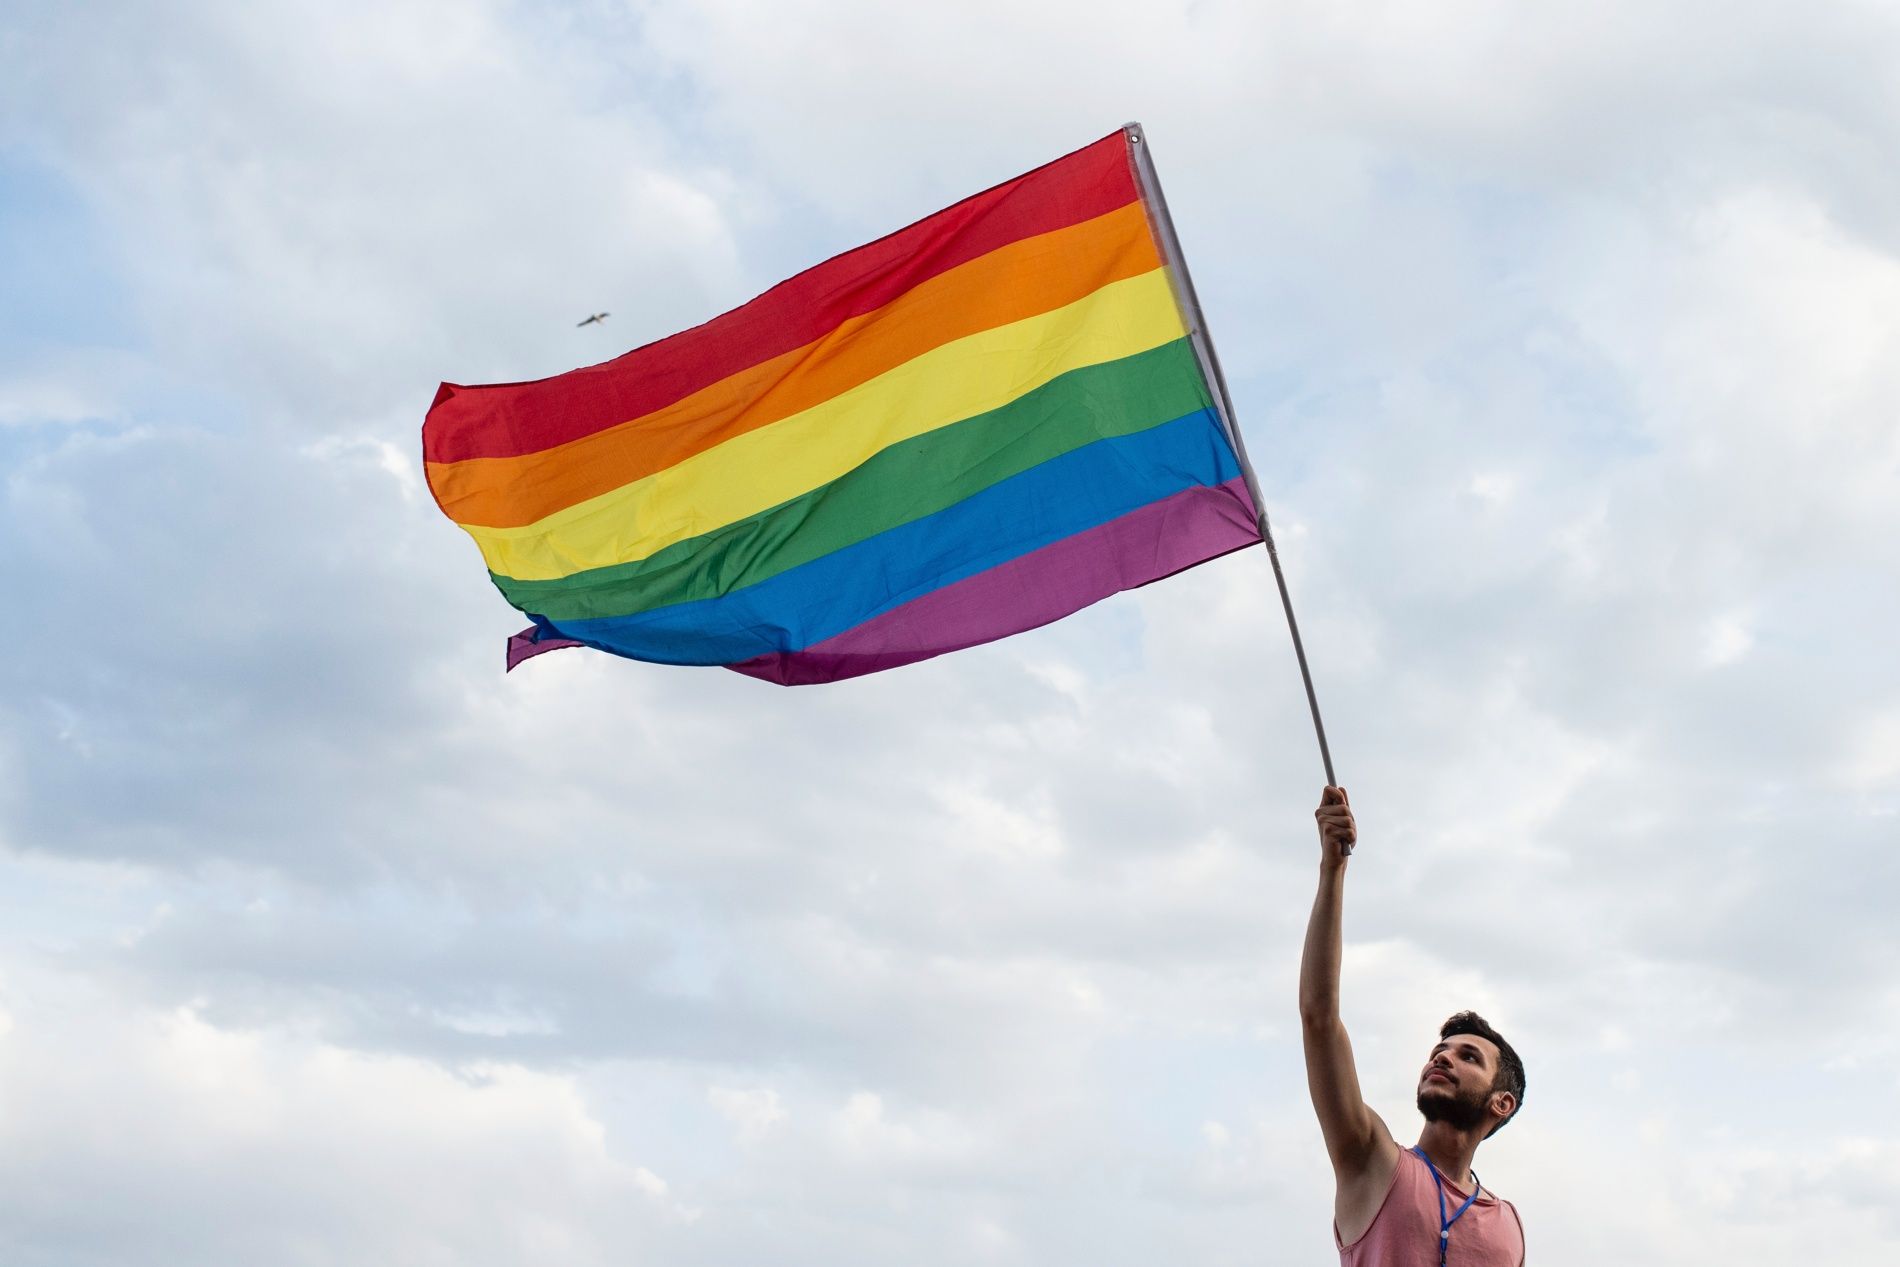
x=1337, y=833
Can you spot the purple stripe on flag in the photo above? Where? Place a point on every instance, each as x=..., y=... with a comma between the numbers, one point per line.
x=1158, y=540
x=522, y=646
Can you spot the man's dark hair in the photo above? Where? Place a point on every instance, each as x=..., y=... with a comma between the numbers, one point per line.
x=1510, y=1074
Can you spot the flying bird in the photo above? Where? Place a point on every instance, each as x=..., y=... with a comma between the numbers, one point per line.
x=593, y=320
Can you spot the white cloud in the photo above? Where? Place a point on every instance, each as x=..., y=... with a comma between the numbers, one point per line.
x=126, y=1128
x=1727, y=641
x=1874, y=767
x=38, y=400
x=1566, y=346
x=754, y=1112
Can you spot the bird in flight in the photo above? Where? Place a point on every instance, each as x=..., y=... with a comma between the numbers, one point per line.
x=593, y=320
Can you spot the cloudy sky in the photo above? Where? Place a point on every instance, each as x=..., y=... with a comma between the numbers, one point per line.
x=1566, y=339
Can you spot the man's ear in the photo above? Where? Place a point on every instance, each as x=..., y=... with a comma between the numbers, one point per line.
x=1503, y=1104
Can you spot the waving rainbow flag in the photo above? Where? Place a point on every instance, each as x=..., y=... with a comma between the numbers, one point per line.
x=969, y=428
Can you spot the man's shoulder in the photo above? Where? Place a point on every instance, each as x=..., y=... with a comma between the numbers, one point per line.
x=1517, y=1221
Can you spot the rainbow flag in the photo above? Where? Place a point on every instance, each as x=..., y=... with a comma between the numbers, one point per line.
x=969, y=428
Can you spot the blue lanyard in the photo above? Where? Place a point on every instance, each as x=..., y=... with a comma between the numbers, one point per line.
x=1444, y=1224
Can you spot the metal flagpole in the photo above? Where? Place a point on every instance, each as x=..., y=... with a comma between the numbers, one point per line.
x=1203, y=343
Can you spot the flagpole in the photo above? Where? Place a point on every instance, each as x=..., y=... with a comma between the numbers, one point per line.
x=1203, y=343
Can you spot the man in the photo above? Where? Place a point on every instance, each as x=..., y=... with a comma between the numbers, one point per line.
x=1392, y=1206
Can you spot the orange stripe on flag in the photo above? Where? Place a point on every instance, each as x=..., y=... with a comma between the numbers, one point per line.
x=1025, y=278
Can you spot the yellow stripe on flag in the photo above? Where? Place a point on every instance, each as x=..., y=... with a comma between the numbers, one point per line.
x=760, y=469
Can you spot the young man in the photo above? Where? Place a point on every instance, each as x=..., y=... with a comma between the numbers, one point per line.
x=1392, y=1206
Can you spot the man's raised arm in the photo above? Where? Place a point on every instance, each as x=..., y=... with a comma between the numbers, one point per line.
x=1362, y=1150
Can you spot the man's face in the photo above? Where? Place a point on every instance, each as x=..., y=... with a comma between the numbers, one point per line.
x=1455, y=1085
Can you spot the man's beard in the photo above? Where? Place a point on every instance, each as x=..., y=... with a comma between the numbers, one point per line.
x=1458, y=1110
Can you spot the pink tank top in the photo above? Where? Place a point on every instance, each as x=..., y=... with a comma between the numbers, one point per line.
x=1404, y=1233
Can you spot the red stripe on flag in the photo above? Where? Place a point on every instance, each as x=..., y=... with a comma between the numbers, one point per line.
x=510, y=419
